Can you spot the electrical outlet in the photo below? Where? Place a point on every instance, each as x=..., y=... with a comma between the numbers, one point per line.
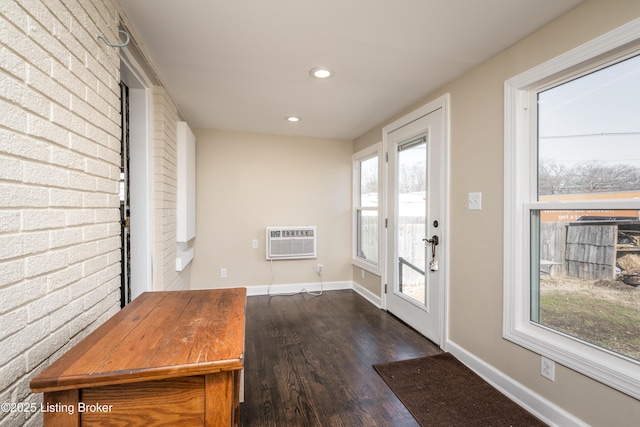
x=223, y=272
x=255, y=243
x=320, y=269
x=548, y=368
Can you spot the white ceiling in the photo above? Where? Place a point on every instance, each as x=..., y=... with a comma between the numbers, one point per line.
x=244, y=64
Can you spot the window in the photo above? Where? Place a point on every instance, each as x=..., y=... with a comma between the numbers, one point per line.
x=366, y=209
x=572, y=209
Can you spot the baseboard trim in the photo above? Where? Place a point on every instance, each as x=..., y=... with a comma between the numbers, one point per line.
x=367, y=294
x=295, y=288
x=542, y=408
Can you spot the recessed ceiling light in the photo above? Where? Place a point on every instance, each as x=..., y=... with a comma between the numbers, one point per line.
x=321, y=72
x=293, y=119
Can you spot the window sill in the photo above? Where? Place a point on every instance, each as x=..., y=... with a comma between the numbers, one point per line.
x=367, y=266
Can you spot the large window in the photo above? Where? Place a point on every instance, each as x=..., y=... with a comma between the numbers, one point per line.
x=572, y=219
x=366, y=209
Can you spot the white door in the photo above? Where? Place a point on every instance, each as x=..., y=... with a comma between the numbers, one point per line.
x=416, y=186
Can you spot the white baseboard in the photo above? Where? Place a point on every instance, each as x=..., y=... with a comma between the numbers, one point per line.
x=367, y=294
x=539, y=406
x=294, y=288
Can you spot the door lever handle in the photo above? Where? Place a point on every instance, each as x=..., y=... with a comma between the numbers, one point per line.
x=433, y=240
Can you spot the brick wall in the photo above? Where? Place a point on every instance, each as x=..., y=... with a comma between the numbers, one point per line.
x=165, y=276
x=59, y=189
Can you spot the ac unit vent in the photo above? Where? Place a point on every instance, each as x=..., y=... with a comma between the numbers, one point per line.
x=291, y=242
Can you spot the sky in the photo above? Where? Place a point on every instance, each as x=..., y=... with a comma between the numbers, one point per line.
x=593, y=118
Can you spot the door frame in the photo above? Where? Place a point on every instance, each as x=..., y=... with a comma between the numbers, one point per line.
x=441, y=102
x=140, y=154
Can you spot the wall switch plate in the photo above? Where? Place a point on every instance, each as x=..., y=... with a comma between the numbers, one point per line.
x=475, y=201
x=548, y=368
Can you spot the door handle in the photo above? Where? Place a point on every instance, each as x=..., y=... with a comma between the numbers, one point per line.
x=434, y=240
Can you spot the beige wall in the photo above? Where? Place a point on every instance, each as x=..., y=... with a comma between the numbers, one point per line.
x=246, y=182
x=477, y=137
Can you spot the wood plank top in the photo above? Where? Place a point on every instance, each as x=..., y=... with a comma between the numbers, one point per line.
x=159, y=335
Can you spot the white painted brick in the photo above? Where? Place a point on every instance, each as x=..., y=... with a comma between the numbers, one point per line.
x=43, y=349
x=107, y=186
x=68, y=80
x=82, y=181
x=68, y=120
x=10, y=168
x=95, y=232
x=15, y=245
x=96, y=101
x=42, y=219
x=98, y=168
x=10, y=272
x=18, y=344
x=80, y=216
x=83, y=145
x=65, y=198
x=98, y=135
x=25, y=47
x=12, y=371
x=12, y=117
x=107, y=215
x=109, y=244
x=16, y=295
x=36, y=173
x=9, y=221
x=82, y=252
x=11, y=63
x=47, y=304
x=45, y=39
x=62, y=278
x=43, y=83
x=95, y=200
x=12, y=322
x=16, y=195
x=44, y=263
x=67, y=159
x=64, y=315
x=46, y=130
x=65, y=237
x=12, y=12
x=110, y=156
x=80, y=70
x=94, y=265
x=23, y=146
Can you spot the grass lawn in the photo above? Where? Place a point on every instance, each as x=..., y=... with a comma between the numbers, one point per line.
x=602, y=321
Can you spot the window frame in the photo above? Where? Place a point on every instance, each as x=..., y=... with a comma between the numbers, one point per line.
x=520, y=199
x=368, y=153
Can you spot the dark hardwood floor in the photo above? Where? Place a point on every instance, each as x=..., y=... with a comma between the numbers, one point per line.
x=308, y=362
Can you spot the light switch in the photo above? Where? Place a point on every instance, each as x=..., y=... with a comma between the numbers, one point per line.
x=475, y=201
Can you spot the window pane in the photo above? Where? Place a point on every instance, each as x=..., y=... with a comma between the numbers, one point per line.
x=367, y=240
x=585, y=273
x=369, y=182
x=589, y=134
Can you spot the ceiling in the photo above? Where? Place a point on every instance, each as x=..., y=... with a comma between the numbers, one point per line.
x=244, y=65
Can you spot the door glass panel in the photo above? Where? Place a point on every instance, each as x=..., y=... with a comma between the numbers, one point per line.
x=411, y=218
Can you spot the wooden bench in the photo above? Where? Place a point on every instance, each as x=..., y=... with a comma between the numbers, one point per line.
x=168, y=358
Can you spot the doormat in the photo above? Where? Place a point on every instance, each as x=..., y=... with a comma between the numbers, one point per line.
x=440, y=391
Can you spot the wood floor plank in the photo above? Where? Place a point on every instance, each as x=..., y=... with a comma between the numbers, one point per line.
x=308, y=361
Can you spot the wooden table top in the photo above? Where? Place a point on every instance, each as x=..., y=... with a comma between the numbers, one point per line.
x=159, y=335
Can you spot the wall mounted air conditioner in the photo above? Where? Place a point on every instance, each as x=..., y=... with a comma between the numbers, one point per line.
x=291, y=242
